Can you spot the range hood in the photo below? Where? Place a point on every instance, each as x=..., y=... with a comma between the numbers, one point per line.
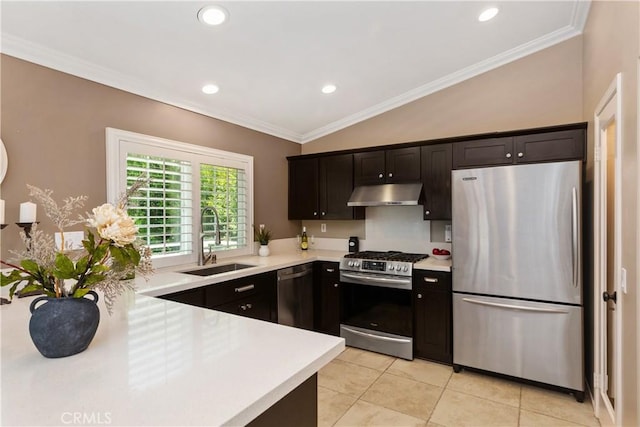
x=386, y=195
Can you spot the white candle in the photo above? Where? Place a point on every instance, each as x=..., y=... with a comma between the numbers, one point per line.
x=1, y=211
x=27, y=212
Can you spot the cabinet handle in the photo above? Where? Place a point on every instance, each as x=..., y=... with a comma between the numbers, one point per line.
x=245, y=307
x=431, y=280
x=419, y=296
x=380, y=176
x=335, y=285
x=244, y=288
x=315, y=213
x=508, y=156
x=330, y=270
x=324, y=213
x=390, y=175
x=520, y=154
x=427, y=212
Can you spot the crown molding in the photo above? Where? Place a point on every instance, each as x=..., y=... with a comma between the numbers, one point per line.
x=38, y=54
x=56, y=60
x=474, y=70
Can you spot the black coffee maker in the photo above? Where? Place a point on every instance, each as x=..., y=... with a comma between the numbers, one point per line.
x=354, y=244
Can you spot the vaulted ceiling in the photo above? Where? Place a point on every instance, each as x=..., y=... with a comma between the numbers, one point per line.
x=271, y=59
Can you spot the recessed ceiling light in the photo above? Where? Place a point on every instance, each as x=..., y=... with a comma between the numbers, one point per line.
x=330, y=88
x=488, y=14
x=212, y=15
x=210, y=89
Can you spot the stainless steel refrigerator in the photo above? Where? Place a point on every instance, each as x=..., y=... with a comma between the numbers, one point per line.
x=517, y=302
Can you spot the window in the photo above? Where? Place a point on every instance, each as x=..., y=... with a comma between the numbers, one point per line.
x=196, y=195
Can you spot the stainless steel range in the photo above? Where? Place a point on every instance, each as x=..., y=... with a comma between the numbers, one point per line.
x=376, y=301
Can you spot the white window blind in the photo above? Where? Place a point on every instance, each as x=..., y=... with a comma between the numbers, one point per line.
x=162, y=210
x=183, y=180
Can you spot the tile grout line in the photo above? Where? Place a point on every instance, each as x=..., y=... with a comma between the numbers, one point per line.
x=361, y=394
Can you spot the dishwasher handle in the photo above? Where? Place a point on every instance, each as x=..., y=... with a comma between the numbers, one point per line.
x=294, y=275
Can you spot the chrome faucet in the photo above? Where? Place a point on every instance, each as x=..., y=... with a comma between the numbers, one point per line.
x=210, y=257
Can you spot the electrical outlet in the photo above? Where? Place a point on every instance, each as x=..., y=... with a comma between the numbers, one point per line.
x=323, y=228
x=72, y=240
x=447, y=233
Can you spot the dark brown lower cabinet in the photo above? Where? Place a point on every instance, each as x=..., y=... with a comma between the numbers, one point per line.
x=433, y=331
x=327, y=297
x=252, y=296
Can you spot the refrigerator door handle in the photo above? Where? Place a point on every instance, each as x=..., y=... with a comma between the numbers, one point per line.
x=516, y=307
x=574, y=235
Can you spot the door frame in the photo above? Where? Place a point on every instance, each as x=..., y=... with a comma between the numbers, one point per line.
x=608, y=109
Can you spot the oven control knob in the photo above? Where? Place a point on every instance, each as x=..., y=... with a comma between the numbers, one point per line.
x=391, y=267
x=350, y=264
x=406, y=268
x=357, y=264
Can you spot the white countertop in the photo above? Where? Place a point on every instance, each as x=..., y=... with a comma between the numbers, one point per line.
x=166, y=282
x=156, y=362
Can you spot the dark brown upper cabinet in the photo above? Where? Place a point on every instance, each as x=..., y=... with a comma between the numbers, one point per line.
x=320, y=187
x=550, y=146
x=387, y=166
x=483, y=152
x=436, y=181
x=527, y=148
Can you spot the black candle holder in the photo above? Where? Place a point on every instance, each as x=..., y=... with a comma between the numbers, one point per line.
x=26, y=226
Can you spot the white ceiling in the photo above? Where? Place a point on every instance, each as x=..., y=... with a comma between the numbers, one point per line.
x=271, y=59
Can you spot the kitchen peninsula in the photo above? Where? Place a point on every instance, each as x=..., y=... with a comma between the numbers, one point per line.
x=158, y=362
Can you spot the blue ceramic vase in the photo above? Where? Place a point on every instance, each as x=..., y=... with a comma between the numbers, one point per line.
x=63, y=327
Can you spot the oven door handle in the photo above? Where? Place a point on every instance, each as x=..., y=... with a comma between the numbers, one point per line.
x=376, y=281
x=378, y=337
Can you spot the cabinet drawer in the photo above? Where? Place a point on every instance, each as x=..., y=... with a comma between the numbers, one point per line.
x=233, y=290
x=433, y=280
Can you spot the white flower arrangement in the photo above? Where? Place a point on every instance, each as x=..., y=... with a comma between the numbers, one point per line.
x=108, y=258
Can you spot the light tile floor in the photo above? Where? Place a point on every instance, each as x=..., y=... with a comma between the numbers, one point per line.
x=360, y=388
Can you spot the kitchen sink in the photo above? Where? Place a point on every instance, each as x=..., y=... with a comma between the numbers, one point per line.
x=217, y=269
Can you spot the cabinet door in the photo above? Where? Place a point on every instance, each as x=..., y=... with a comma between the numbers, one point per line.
x=550, y=146
x=303, y=189
x=368, y=168
x=432, y=298
x=192, y=297
x=436, y=180
x=256, y=306
x=260, y=287
x=327, y=305
x=483, y=152
x=336, y=186
x=403, y=165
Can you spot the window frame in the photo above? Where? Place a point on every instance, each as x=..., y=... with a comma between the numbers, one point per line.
x=117, y=142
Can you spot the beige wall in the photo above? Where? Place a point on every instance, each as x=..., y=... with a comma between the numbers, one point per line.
x=606, y=53
x=53, y=126
x=539, y=90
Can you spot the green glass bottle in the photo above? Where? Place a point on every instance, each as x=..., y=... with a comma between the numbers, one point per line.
x=304, y=242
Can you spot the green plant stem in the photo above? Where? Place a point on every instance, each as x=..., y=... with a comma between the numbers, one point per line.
x=90, y=263
x=8, y=264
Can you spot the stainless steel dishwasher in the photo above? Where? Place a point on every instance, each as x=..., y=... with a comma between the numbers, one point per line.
x=295, y=296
